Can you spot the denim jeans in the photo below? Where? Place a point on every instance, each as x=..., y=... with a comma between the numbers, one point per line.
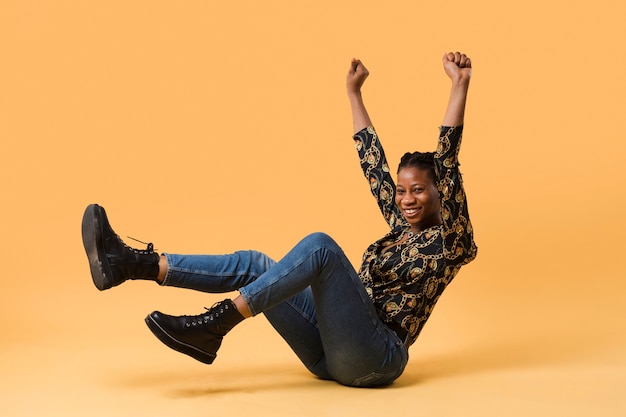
x=315, y=300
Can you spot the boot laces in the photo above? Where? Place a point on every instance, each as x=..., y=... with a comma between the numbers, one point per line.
x=211, y=314
x=148, y=251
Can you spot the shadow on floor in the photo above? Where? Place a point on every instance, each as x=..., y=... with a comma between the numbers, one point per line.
x=539, y=351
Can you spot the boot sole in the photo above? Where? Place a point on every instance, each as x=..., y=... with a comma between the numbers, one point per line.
x=177, y=345
x=94, y=246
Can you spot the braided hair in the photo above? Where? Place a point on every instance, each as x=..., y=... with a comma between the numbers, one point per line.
x=424, y=161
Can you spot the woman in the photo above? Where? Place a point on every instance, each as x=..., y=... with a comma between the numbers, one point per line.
x=354, y=328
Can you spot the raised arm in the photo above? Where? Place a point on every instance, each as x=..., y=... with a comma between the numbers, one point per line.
x=459, y=68
x=371, y=154
x=354, y=80
x=459, y=247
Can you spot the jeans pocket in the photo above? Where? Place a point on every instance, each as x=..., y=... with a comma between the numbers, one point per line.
x=376, y=379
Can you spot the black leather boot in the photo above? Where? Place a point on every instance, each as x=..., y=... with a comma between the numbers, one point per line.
x=197, y=336
x=110, y=259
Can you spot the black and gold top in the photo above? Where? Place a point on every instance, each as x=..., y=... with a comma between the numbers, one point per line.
x=404, y=279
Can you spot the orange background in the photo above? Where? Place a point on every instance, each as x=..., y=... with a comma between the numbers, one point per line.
x=213, y=126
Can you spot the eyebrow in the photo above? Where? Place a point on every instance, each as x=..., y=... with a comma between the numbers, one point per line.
x=417, y=183
x=412, y=185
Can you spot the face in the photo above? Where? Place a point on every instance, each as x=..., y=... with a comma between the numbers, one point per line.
x=417, y=198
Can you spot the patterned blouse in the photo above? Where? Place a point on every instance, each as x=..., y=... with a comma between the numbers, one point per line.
x=405, y=279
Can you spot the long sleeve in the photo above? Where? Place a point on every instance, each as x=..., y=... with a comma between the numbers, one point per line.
x=458, y=237
x=376, y=170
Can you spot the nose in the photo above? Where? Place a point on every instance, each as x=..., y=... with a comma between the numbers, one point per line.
x=407, y=198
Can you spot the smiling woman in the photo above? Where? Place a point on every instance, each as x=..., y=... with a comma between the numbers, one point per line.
x=348, y=326
x=417, y=197
x=431, y=236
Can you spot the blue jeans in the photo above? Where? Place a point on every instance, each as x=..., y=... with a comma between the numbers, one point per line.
x=315, y=300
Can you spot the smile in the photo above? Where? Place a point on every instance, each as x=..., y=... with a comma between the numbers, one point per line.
x=411, y=212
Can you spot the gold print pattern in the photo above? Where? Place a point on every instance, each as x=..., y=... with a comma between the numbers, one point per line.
x=392, y=220
x=416, y=272
x=391, y=308
x=387, y=192
x=373, y=183
x=431, y=288
x=405, y=277
x=445, y=213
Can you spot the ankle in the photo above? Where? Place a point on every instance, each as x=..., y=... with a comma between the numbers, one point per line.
x=162, y=269
x=242, y=307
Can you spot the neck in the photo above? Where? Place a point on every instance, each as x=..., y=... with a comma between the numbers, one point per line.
x=417, y=228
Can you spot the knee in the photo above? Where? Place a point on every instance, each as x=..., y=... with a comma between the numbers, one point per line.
x=321, y=240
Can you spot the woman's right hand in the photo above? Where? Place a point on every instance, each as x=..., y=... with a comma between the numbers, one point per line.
x=356, y=76
x=355, y=79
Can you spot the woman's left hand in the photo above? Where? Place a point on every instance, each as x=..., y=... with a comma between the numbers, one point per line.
x=458, y=66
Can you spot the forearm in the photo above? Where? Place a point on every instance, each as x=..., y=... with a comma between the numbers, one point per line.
x=455, y=112
x=360, y=117
x=376, y=170
x=458, y=242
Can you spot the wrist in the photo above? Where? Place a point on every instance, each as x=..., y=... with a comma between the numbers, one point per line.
x=461, y=82
x=459, y=88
